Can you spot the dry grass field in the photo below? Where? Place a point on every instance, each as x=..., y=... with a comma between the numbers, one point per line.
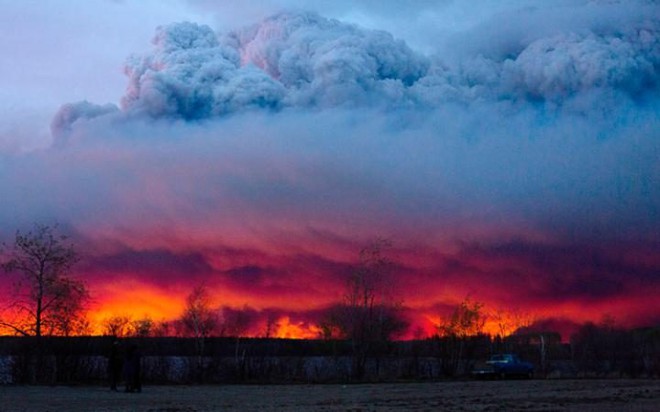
x=534, y=395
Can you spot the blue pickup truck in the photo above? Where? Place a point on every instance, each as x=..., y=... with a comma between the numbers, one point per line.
x=504, y=366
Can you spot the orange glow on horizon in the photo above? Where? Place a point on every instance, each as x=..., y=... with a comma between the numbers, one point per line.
x=135, y=301
x=138, y=300
x=285, y=329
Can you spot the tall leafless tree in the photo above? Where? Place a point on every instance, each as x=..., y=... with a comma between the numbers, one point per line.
x=370, y=314
x=118, y=326
x=465, y=323
x=199, y=320
x=122, y=326
x=47, y=300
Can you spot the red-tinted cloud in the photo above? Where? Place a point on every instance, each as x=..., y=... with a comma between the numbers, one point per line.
x=575, y=283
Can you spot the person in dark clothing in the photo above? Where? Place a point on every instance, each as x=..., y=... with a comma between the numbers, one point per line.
x=114, y=365
x=137, y=378
x=132, y=369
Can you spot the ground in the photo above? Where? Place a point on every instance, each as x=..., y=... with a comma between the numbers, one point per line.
x=534, y=395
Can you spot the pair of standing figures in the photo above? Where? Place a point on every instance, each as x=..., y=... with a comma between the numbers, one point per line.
x=125, y=366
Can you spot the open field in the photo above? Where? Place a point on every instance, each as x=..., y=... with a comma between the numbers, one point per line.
x=535, y=395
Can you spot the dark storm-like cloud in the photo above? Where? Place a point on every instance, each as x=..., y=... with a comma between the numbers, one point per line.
x=561, y=272
x=160, y=266
x=311, y=276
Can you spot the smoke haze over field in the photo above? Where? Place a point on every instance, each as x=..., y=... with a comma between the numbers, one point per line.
x=510, y=153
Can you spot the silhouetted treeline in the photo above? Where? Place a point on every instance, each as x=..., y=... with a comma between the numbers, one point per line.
x=594, y=351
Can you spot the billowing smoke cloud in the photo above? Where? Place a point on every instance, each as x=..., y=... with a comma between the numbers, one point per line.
x=297, y=60
x=70, y=113
x=304, y=60
x=515, y=164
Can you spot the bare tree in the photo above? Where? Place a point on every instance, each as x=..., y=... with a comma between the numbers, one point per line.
x=117, y=326
x=199, y=321
x=466, y=322
x=142, y=327
x=370, y=314
x=467, y=319
x=69, y=317
x=163, y=328
x=121, y=326
x=509, y=322
x=235, y=324
x=329, y=326
x=271, y=324
x=46, y=299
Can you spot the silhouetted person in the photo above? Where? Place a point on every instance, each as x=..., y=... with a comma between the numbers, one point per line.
x=114, y=365
x=132, y=369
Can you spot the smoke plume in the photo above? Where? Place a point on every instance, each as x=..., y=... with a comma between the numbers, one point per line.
x=519, y=161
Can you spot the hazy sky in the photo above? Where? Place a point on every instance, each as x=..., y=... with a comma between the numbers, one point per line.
x=508, y=149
